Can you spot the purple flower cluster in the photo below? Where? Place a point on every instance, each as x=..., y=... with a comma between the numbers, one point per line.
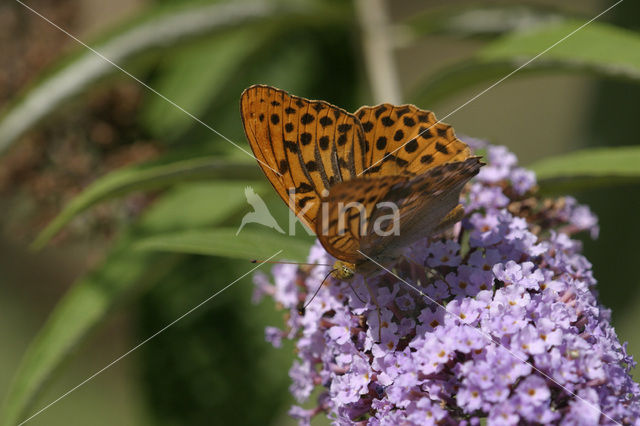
x=507, y=327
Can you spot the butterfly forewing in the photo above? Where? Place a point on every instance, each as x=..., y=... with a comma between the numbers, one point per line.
x=303, y=146
x=407, y=140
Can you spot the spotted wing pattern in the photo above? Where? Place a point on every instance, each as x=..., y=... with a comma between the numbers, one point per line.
x=407, y=140
x=302, y=146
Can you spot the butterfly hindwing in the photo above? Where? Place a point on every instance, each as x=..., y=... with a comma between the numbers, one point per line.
x=423, y=202
x=304, y=147
x=395, y=212
x=345, y=214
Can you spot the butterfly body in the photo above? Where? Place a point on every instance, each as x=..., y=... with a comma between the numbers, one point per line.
x=368, y=183
x=343, y=271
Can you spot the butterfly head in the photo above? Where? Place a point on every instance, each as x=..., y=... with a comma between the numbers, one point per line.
x=343, y=270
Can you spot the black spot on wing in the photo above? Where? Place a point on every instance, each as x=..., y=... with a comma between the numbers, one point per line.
x=291, y=146
x=402, y=111
x=424, y=117
x=425, y=132
x=426, y=159
x=303, y=188
x=380, y=110
x=441, y=148
x=387, y=121
x=303, y=201
x=305, y=138
x=326, y=121
x=324, y=142
x=412, y=146
x=307, y=118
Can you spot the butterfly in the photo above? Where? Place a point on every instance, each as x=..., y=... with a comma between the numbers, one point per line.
x=397, y=169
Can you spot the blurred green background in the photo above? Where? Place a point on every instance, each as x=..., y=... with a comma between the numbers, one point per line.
x=131, y=202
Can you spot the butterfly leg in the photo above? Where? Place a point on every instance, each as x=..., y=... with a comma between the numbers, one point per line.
x=450, y=219
x=375, y=302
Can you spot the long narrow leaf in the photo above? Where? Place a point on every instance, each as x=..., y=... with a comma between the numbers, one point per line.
x=597, y=46
x=207, y=65
x=480, y=20
x=88, y=67
x=599, y=49
x=84, y=306
x=128, y=180
x=247, y=244
x=589, y=168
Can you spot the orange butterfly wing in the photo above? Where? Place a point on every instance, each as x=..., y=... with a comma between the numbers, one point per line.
x=407, y=140
x=301, y=145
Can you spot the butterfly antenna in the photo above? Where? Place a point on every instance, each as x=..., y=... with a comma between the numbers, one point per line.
x=316, y=292
x=354, y=292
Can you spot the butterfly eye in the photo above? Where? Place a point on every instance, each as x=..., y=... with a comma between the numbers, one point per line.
x=347, y=272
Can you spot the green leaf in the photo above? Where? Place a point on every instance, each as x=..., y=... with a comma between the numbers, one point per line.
x=124, y=272
x=479, y=20
x=206, y=65
x=597, y=48
x=455, y=78
x=589, y=168
x=84, y=306
x=73, y=76
x=248, y=244
x=139, y=178
x=221, y=342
